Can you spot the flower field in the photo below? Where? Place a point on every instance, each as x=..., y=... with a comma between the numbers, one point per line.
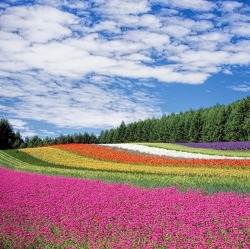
x=167, y=202
x=52, y=212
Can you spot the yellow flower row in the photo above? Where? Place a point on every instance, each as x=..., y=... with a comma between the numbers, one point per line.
x=69, y=159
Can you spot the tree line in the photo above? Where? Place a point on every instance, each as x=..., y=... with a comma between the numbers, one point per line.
x=13, y=140
x=215, y=124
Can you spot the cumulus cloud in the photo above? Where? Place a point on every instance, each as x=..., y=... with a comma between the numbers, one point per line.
x=241, y=29
x=48, y=133
x=37, y=23
x=84, y=104
x=18, y=124
x=230, y=5
x=201, y=5
x=197, y=5
x=23, y=127
x=241, y=88
x=81, y=63
x=125, y=7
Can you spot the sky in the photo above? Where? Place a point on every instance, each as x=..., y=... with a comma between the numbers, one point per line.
x=74, y=66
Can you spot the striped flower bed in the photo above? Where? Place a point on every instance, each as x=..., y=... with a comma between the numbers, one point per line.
x=112, y=154
x=69, y=159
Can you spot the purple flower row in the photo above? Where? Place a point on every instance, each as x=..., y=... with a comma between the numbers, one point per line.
x=244, y=145
x=42, y=210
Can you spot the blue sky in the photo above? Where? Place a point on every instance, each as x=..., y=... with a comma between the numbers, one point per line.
x=74, y=66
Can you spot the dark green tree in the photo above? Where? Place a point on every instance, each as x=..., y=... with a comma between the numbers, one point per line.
x=47, y=141
x=103, y=137
x=246, y=127
x=110, y=136
x=35, y=142
x=119, y=133
x=130, y=132
x=7, y=135
x=139, y=131
x=153, y=130
x=234, y=126
x=145, y=131
x=18, y=141
x=195, y=129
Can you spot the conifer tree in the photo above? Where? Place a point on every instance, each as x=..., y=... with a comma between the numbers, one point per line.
x=7, y=135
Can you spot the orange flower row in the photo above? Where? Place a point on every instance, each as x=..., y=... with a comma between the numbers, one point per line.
x=104, y=153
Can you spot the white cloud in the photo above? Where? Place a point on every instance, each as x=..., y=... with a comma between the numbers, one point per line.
x=188, y=25
x=210, y=41
x=227, y=71
x=90, y=104
x=18, y=123
x=54, y=3
x=205, y=16
x=125, y=7
x=230, y=5
x=177, y=31
x=48, y=133
x=137, y=57
x=67, y=3
x=106, y=26
x=149, y=21
x=12, y=43
x=214, y=37
x=241, y=88
x=241, y=29
x=37, y=23
x=28, y=133
x=147, y=39
x=203, y=58
x=76, y=4
x=240, y=46
x=23, y=127
x=200, y=5
x=241, y=58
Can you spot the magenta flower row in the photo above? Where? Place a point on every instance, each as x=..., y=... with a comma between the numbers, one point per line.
x=43, y=210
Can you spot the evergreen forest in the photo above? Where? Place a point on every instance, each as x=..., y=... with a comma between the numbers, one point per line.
x=216, y=124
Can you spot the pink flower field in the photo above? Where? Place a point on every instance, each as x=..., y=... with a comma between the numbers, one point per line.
x=38, y=211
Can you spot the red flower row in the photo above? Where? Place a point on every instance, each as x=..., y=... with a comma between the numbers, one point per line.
x=104, y=153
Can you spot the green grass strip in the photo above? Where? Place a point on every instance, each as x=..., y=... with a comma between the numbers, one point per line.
x=183, y=148
x=209, y=184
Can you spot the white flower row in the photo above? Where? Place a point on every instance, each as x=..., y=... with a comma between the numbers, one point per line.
x=165, y=152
